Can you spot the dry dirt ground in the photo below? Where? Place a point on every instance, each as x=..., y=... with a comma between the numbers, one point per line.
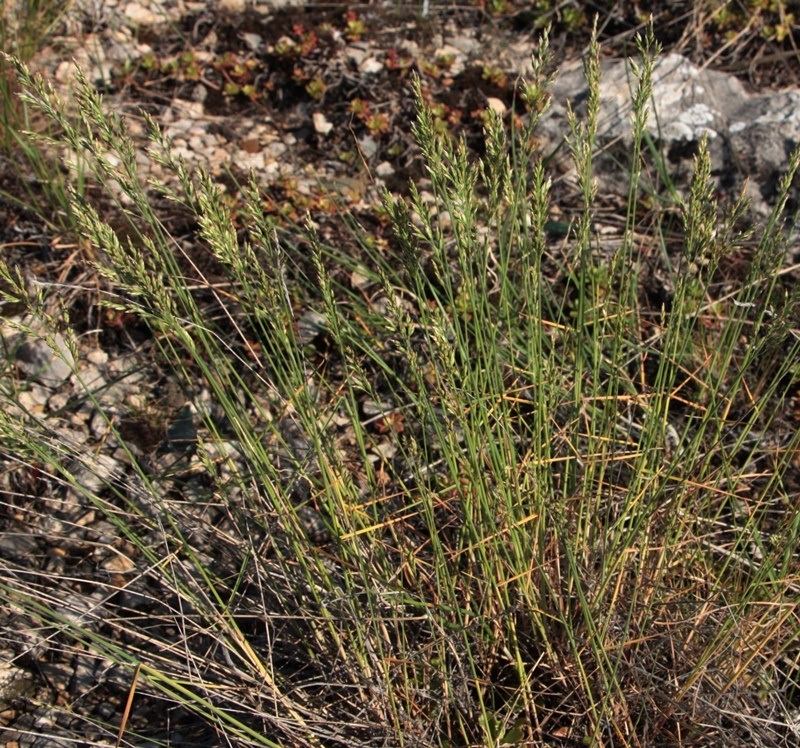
x=317, y=100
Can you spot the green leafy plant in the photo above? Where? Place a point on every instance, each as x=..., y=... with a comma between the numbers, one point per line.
x=185, y=66
x=307, y=40
x=495, y=7
x=316, y=87
x=375, y=122
x=494, y=75
x=773, y=19
x=356, y=28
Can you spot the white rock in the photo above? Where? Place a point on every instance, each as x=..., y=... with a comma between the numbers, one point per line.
x=369, y=146
x=275, y=149
x=98, y=357
x=356, y=53
x=253, y=41
x=249, y=161
x=139, y=14
x=496, y=105
x=427, y=197
x=40, y=363
x=384, y=169
x=232, y=6
x=360, y=279
x=17, y=545
x=127, y=50
x=14, y=682
x=98, y=425
x=466, y=43
x=371, y=65
x=58, y=401
x=116, y=563
x=83, y=611
x=94, y=474
x=197, y=143
x=457, y=57
x=411, y=48
x=321, y=123
x=33, y=400
x=386, y=450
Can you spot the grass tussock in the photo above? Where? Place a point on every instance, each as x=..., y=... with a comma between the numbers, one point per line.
x=549, y=512
x=32, y=177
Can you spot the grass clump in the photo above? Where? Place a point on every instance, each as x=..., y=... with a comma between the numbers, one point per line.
x=34, y=175
x=543, y=510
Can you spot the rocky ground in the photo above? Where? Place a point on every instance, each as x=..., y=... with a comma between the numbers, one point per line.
x=315, y=100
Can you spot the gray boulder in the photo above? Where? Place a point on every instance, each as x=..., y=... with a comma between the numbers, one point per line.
x=750, y=136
